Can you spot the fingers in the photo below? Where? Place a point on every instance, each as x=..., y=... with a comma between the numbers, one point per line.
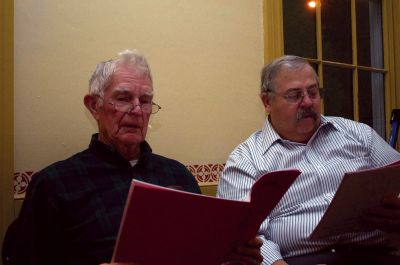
x=247, y=254
x=388, y=209
x=119, y=263
x=392, y=201
x=383, y=223
x=386, y=216
x=255, y=242
x=237, y=259
x=385, y=212
x=250, y=253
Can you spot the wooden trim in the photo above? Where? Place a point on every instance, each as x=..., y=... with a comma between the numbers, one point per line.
x=337, y=64
x=318, y=33
x=391, y=39
x=273, y=30
x=354, y=60
x=394, y=55
x=6, y=115
x=373, y=69
x=387, y=16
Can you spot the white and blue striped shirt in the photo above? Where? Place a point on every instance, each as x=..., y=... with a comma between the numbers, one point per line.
x=338, y=146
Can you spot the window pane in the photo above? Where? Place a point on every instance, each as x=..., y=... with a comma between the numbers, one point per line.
x=315, y=66
x=299, y=29
x=338, y=92
x=371, y=100
x=369, y=33
x=336, y=30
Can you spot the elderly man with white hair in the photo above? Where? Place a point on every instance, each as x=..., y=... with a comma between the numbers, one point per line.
x=73, y=208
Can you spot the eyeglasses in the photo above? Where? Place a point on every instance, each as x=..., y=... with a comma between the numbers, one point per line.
x=297, y=95
x=125, y=106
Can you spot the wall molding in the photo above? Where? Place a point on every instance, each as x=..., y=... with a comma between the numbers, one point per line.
x=205, y=174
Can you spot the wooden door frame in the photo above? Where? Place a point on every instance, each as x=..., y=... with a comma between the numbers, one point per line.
x=6, y=115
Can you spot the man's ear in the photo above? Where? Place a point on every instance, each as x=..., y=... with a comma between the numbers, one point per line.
x=266, y=101
x=90, y=102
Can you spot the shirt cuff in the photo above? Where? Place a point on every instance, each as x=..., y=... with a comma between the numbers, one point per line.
x=270, y=252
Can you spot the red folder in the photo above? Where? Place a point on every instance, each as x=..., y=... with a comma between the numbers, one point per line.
x=172, y=227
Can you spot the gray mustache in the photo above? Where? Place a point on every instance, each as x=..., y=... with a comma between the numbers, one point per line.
x=306, y=113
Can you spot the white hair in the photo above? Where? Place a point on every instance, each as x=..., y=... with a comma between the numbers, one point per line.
x=101, y=76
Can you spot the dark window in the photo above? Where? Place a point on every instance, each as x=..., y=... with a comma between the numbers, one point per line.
x=338, y=92
x=299, y=29
x=336, y=31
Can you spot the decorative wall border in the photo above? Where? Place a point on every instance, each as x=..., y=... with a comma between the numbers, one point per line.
x=21, y=181
x=205, y=174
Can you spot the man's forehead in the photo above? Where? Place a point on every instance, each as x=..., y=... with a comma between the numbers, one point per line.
x=130, y=74
x=134, y=88
x=286, y=76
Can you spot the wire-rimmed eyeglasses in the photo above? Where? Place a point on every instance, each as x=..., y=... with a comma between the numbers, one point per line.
x=295, y=96
x=126, y=106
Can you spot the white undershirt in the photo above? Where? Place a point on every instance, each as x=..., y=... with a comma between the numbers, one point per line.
x=134, y=162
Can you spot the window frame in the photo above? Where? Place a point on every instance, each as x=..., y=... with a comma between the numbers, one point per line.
x=274, y=47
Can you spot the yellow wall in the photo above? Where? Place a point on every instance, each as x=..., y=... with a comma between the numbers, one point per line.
x=205, y=58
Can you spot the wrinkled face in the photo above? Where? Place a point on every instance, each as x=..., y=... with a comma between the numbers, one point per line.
x=294, y=121
x=122, y=128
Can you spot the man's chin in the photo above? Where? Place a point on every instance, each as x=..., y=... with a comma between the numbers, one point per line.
x=307, y=125
x=130, y=139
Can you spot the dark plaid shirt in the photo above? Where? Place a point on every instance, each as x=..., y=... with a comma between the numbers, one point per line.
x=73, y=208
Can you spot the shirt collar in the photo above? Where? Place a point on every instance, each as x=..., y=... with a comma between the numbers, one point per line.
x=270, y=136
x=111, y=154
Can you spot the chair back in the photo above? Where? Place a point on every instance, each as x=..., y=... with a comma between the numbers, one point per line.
x=394, y=127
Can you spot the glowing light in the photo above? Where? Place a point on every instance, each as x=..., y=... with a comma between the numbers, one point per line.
x=312, y=4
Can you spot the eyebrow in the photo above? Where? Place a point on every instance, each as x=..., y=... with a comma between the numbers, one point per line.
x=293, y=90
x=149, y=93
x=127, y=90
x=299, y=89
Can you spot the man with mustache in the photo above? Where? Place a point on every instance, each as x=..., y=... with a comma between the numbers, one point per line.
x=73, y=208
x=296, y=135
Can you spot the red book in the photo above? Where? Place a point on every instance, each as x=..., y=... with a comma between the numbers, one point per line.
x=172, y=227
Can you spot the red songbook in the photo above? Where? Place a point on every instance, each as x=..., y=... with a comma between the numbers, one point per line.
x=172, y=227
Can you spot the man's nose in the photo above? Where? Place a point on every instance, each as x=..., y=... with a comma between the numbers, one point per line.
x=306, y=100
x=137, y=108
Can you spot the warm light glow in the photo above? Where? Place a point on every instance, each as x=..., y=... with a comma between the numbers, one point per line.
x=312, y=4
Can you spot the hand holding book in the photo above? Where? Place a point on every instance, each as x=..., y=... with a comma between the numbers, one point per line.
x=385, y=216
x=368, y=209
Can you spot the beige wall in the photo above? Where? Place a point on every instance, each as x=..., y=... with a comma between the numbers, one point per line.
x=205, y=58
